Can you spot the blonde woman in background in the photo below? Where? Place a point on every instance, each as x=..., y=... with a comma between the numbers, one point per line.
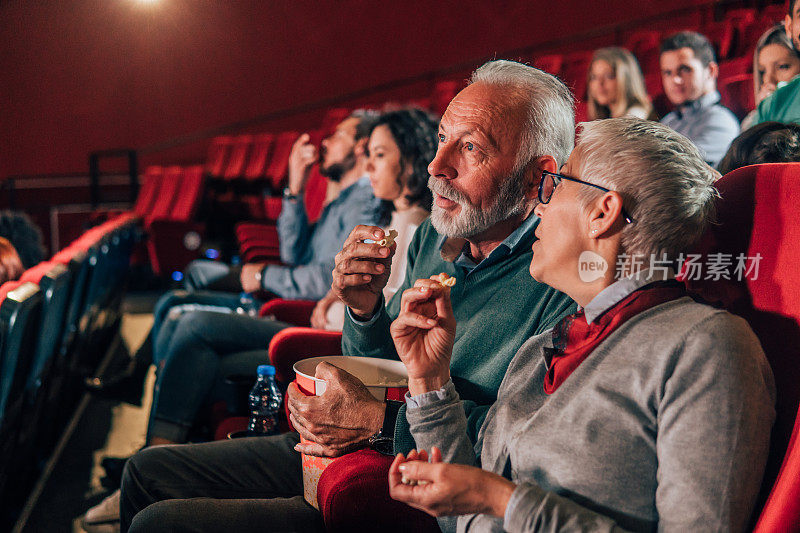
x=616, y=86
x=775, y=62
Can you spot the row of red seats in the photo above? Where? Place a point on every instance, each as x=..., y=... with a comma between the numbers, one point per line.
x=56, y=321
x=756, y=219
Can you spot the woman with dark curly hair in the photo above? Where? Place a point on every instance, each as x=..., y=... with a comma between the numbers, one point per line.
x=401, y=145
x=768, y=142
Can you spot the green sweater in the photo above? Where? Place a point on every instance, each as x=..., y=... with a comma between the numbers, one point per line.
x=497, y=306
x=781, y=106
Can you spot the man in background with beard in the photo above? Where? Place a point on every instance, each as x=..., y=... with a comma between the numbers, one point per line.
x=496, y=138
x=307, y=250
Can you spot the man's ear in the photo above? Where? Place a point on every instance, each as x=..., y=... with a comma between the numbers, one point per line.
x=787, y=26
x=713, y=70
x=533, y=173
x=360, y=149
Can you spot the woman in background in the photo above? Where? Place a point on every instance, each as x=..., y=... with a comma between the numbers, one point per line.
x=616, y=86
x=401, y=146
x=775, y=62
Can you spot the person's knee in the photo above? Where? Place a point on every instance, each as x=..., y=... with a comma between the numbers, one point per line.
x=138, y=469
x=167, y=515
x=194, y=326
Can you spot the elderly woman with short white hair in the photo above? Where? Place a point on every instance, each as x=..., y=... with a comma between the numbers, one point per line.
x=644, y=411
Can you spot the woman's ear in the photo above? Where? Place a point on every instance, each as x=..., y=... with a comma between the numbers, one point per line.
x=605, y=213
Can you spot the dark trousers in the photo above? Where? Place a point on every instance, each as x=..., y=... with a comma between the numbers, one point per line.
x=252, y=484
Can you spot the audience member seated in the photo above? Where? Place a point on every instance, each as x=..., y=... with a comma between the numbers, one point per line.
x=24, y=236
x=644, y=411
x=195, y=357
x=307, y=252
x=783, y=105
x=689, y=73
x=616, y=86
x=400, y=148
x=495, y=139
x=775, y=63
x=10, y=264
x=768, y=142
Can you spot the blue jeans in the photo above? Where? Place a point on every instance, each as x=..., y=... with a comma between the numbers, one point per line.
x=202, y=348
x=172, y=305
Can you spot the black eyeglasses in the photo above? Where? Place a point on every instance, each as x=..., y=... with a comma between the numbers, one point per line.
x=550, y=181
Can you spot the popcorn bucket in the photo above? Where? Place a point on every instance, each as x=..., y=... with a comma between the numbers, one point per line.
x=385, y=379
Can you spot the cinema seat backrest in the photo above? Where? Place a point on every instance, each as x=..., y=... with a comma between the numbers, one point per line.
x=148, y=192
x=20, y=304
x=758, y=223
x=257, y=161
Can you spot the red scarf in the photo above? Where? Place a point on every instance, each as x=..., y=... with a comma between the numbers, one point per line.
x=574, y=339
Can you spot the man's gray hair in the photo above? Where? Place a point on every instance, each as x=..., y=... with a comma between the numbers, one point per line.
x=665, y=185
x=550, y=126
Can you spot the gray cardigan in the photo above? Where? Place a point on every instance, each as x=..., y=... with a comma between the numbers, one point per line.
x=665, y=426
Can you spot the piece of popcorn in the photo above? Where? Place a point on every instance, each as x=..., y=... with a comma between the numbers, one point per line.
x=389, y=239
x=446, y=280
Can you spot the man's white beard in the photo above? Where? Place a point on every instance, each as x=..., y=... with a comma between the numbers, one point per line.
x=471, y=220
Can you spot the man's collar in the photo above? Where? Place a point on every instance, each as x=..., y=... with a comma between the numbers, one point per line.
x=453, y=248
x=705, y=101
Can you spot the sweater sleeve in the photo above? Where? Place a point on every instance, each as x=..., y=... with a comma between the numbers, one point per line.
x=372, y=338
x=719, y=395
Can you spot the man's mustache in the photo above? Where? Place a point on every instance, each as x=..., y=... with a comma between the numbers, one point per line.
x=443, y=188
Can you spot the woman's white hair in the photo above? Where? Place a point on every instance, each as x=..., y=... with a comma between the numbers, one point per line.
x=665, y=185
x=550, y=123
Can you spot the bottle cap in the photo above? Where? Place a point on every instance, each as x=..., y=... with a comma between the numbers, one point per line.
x=266, y=370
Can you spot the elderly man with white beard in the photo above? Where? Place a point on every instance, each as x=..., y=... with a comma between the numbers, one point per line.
x=495, y=139
x=497, y=136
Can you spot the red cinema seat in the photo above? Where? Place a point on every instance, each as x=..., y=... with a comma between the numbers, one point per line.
x=167, y=194
x=550, y=63
x=443, y=92
x=645, y=45
x=332, y=119
x=723, y=36
x=148, y=192
x=276, y=170
x=257, y=161
x=735, y=67
x=297, y=312
x=217, y=156
x=175, y=239
x=575, y=72
x=757, y=221
x=236, y=162
x=737, y=94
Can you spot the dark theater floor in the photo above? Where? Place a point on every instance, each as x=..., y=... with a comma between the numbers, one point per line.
x=105, y=428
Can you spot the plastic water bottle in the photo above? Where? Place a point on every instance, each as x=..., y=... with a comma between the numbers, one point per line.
x=265, y=402
x=247, y=305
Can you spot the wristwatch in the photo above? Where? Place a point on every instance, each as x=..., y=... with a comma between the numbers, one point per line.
x=383, y=441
